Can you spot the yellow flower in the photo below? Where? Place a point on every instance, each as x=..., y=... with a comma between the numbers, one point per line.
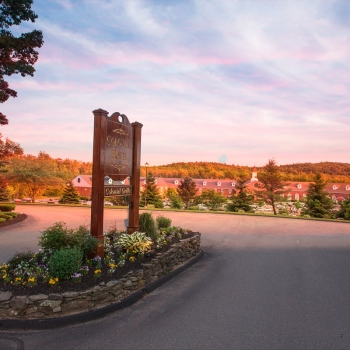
x=31, y=279
x=97, y=271
x=132, y=259
x=56, y=279
x=53, y=280
x=4, y=276
x=18, y=278
x=112, y=266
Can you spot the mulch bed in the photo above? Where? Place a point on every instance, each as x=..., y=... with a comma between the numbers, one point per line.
x=89, y=281
x=19, y=218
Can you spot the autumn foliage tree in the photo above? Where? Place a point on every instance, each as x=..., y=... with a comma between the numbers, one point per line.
x=271, y=186
x=187, y=191
x=17, y=54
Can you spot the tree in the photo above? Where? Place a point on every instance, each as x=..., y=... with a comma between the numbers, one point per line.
x=70, y=195
x=174, y=198
x=4, y=193
x=242, y=200
x=8, y=149
x=318, y=203
x=187, y=191
x=212, y=199
x=33, y=172
x=150, y=193
x=270, y=185
x=17, y=55
x=344, y=211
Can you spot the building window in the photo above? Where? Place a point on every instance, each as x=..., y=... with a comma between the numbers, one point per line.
x=230, y=191
x=218, y=183
x=233, y=184
x=296, y=197
x=299, y=186
x=78, y=180
x=347, y=188
x=176, y=182
x=204, y=183
x=334, y=187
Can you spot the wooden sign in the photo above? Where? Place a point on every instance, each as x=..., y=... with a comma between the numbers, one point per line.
x=119, y=147
x=116, y=153
x=118, y=190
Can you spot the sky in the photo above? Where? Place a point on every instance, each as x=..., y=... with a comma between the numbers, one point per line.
x=237, y=82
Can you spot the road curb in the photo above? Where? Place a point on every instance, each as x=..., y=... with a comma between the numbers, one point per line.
x=50, y=323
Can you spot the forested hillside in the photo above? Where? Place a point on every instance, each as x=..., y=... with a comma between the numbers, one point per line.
x=334, y=172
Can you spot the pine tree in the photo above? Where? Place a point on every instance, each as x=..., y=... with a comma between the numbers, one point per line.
x=150, y=193
x=344, y=211
x=187, y=191
x=318, y=204
x=242, y=200
x=70, y=195
x=271, y=186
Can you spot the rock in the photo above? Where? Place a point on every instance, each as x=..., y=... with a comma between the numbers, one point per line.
x=51, y=303
x=134, y=279
x=73, y=307
x=112, y=283
x=56, y=309
x=5, y=296
x=96, y=289
x=18, y=304
x=70, y=294
x=3, y=313
x=56, y=297
x=38, y=297
x=128, y=284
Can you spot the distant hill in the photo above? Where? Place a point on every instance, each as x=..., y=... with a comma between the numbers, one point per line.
x=333, y=171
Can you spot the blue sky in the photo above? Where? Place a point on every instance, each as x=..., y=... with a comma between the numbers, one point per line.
x=239, y=82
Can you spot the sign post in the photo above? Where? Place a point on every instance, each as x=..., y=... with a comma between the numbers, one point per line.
x=116, y=153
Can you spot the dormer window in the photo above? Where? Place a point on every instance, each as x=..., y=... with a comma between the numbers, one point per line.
x=347, y=187
x=299, y=186
x=204, y=183
x=334, y=187
x=78, y=180
x=218, y=183
x=233, y=184
x=176, y=182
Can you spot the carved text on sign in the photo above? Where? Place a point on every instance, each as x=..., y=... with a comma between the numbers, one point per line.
x=119, y=147
x=118, y=191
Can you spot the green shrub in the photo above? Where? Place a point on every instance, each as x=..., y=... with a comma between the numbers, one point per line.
x=57, y=237
x=7, y=207
x=86, y=242
x=12, y=215
x=2, y=219
x=26, y=257
x=148, y=225
x=163, y=222
x=64, y=262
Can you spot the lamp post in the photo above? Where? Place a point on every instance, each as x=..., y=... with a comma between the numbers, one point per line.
x=146, y=165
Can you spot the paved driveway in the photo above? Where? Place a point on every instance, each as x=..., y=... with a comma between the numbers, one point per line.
x=264, y=283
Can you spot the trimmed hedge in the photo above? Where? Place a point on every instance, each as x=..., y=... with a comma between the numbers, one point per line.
x=7, y=207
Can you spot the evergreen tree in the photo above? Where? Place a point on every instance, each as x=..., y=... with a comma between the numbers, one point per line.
x=271, y=186
x=318, y=204
x=344, y=211
x=187, y=191
x=242, y=200
x=150, y=193
x=70, y=195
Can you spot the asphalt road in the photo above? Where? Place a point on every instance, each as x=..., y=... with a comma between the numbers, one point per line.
x=264, y=283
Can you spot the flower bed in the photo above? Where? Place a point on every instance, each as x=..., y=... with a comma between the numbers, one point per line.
x=55, y=303
x=62, y=278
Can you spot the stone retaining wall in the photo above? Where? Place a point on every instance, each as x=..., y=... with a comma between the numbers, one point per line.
x=69, y=303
